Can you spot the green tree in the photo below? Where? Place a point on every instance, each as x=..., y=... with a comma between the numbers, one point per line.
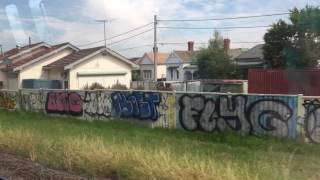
x=214, y=62
x=295, y=44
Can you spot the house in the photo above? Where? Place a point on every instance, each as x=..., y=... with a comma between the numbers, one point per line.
x=181, y=66
x=87, y=66
x=146, y=64
x=251, y=59
x=26, y=62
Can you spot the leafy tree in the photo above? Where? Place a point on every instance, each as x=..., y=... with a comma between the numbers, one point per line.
x=276, y=41
x=295, y=44
x=214, y=62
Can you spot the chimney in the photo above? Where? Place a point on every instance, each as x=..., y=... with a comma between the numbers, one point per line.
x=190, y=46
x=226, y=44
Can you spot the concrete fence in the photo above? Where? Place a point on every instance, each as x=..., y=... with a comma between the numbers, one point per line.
x=293, y=117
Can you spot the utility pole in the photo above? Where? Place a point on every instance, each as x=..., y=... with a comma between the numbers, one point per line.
x=155, y=48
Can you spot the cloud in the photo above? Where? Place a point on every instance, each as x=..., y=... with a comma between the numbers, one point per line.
x=128, y=14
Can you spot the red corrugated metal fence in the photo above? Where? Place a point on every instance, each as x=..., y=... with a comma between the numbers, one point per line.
x=306, y=82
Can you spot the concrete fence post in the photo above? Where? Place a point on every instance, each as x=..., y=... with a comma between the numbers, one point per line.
x=300, y=120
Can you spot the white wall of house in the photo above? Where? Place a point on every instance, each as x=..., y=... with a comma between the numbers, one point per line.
x=174, y=68
x=35, y=70
x=55, y=74
x=103, y=69
x=161, y=71
x=147, y=65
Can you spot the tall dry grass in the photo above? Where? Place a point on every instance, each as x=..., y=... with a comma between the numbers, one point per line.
x=96, y=156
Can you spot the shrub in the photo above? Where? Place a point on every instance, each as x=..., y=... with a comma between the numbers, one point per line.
x=93, y=86
x=119, y=86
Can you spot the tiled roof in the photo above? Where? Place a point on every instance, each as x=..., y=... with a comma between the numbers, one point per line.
x=42, y=52
x=71, y=58
x=15, y=51
x=255, y=53
x=186, y=56
x=161, y=58
x=234, y=53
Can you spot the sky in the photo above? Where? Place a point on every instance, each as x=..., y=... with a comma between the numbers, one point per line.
x=75, y=21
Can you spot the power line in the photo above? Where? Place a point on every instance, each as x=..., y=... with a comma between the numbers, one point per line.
x=227, y=18
x=236, y=42
x=118, y=35
x=135, y=47
x=184, y=43
x=137, y=28
x=203, y=28
x=130, y=37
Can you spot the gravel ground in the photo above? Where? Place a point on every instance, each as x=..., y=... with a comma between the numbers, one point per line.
x=16, y=168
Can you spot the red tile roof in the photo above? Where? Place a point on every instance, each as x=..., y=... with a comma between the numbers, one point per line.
x=42, y=52
x=15, y=51
x=73, y=57
x=161, y=59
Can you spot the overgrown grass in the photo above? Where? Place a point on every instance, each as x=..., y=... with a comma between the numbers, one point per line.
x=134, y=152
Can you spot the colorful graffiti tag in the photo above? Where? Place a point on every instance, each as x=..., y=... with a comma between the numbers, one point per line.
x=7, y=101
x=64, y=103
x=141, y=105
x=279, y=116
x=237, y=113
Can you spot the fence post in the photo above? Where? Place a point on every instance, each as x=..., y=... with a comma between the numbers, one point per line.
x=300, y=119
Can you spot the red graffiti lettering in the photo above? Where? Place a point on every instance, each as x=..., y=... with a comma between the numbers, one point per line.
x=64, y=103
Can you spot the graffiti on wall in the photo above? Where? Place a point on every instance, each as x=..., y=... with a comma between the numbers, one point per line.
x=253, y=114
x=64, y=103
x=141, y=105
x=31, y=101
x=7, y=101
x=166, y=110
x=97, y=104
x=217, y=113
x=312, y=120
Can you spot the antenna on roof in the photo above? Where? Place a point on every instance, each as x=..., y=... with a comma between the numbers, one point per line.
x=30, y=41
x=1, y=51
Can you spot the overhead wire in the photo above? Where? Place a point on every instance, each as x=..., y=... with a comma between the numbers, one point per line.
x=130, y=37
x=118, y=35
x=204, y=28
x=226, y=18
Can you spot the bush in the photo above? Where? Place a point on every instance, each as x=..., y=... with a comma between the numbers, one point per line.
x=93, y=86
x=119, y=86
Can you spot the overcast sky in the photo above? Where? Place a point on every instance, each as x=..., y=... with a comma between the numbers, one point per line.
x=57, y=21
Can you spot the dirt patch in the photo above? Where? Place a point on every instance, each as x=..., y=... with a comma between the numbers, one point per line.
x=13, y=167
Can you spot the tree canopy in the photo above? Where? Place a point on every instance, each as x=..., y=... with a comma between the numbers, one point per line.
x=294, y=44
x=214, y=62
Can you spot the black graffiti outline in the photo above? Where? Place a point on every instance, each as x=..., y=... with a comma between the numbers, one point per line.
x=231, y=106
x=273, y=114
x=96, y=113
x=311, y=106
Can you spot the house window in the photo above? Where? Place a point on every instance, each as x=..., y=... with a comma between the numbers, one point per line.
x=147, y=74
x=177, y=74
x=171, y=73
